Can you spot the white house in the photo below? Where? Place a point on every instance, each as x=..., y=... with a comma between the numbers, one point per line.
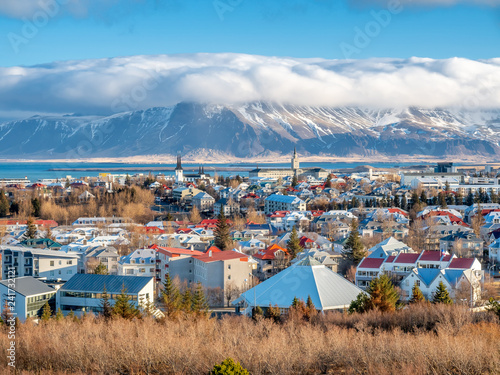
x=278, y=202
x=141, y=262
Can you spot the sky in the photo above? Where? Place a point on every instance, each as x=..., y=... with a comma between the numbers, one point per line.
x=328, y=52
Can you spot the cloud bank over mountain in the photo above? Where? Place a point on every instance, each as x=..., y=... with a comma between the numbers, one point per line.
x=106, y=86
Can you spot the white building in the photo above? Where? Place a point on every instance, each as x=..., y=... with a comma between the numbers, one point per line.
x=203, y=201
x=27, y=296
x=141, y=262
x=47, y=264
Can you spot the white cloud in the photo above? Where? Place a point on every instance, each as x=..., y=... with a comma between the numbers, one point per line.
x=113, y=85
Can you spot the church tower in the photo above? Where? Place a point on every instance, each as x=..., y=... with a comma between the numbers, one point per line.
x=295, y=161
x=179, y=173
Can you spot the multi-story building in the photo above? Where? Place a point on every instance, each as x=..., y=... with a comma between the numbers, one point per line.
x=203, y=201
x=223, y=268
x=47, y=264
x=278, y=202
x=29, y=296
x=141, y=262
x=176, y=262
x=83, y=292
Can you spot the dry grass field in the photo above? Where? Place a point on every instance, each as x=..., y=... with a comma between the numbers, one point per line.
x=419, y=340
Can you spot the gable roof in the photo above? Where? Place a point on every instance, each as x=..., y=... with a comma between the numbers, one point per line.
x=407, y=258
x=112, y=283
x=222, y=256
x=371, y=263
x=461, y=263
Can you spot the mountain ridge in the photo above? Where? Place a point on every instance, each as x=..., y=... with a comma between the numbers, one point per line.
x=255, y=129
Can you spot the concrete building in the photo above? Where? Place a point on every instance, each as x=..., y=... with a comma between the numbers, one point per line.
x=27, y=296
x=278, y=202
x=220, y=269
x=83, y=292
x=47, y=264
x=176, y=262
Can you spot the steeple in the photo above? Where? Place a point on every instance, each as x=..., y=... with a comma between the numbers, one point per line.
x=179, y=166
x=202, y=169
x=295, y=161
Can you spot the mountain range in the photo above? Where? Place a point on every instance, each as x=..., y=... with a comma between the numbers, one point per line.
x=257, y=129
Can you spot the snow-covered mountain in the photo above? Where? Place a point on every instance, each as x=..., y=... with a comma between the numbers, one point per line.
x=255, y=129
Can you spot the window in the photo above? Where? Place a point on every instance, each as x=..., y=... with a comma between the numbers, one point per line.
x=69, y=262
x=52, y=263
x=142, y=270
x=418, y=282
x=151, y=270
x=228, y=266
x=60, y=262
x=130, y=272
x=229, y=277
x=69, y=272
x=59, y=272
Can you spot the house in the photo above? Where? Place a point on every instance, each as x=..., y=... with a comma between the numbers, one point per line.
x=327, y=289
x=388, y=247
x=83, y=292
x=228, y=205
x=494, y=251
x=462, y=244
x=102, y=255
x=203, y=202
x=278, y=202
x=223, y=268
x=42, y=243
x=270, y=260
x=428, y=279
x=42, y=263
x=29, y=296
x=141, y=262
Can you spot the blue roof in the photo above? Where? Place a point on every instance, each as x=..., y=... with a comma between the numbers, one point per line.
x=113, y=283
x=453, y=275
x=428, y=274
x=283, y=198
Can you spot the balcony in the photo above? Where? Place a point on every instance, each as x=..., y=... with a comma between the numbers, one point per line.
x=158, y=260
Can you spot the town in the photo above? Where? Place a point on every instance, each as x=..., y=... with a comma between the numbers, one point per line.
x=275, y=244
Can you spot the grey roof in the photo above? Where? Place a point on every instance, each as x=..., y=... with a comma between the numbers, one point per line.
x=283, y=198
x=113, y=283
x=28, y=286
x=327, y=289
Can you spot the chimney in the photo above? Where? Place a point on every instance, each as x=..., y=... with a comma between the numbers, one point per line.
x=210, y=253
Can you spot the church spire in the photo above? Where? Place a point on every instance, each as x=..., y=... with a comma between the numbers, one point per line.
x=179, y=166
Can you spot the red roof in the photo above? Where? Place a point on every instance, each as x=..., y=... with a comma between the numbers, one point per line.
x=431, y=255
x=45, y=223
x=461, y=263
x=407, y=258
x=269, y=253
x=222, y=256
x=304, y=240
x=175, y=252
x=397, y=211
x=214, y=249
x=446, y=258
x=371, y=263
x=390, y=259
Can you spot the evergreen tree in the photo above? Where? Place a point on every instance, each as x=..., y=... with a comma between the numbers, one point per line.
x=423, y=197
x=397, y=203
x=4, y=204
x=273, y=313
x=469, y=201
x=295, y=302
x=354, y=249
x=200, y=305
x=295, y=181
x=404, y=203
x=46, y=312
x=360, y=304
x=221, y=233
x=257, y=313
x=14, y=208
x=123, y=307
x=383, y=296
x=59, y=314
x=293, y=245
x=442, y=200
x=441, y=295
x=31, y=231
x=35, y=203
x=187, y=301
x=128, y=181
x=169, y=217
x=101, y=269
x=459, y=199
x=309, y=303
x=416, y=294
x=171, y=297
x=72, y=316
x=107, y=309
x=414, y=198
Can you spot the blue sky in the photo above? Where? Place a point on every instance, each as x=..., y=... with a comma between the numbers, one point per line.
x=296, y=28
